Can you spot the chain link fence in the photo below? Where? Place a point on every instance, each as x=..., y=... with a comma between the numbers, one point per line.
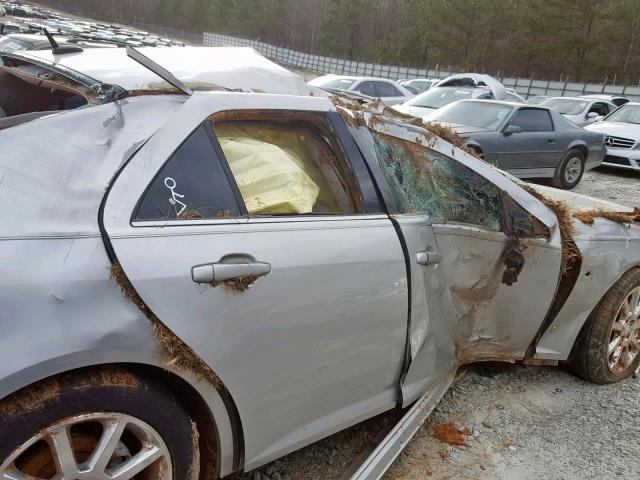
x=526, y=87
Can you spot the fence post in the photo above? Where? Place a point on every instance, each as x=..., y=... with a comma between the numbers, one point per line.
x=530, y=82
x=564, y=86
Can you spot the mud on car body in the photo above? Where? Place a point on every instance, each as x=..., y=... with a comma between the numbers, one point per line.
x=199, y=283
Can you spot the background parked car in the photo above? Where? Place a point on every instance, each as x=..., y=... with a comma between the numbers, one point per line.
x=581, y=111
x=526, y=141
x=458, y=87
x=389, y=91
x=419, y=84
x=537, y=99
x=622, y=136
x=617, y=100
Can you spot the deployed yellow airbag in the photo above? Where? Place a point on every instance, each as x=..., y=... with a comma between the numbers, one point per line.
x=271, y=180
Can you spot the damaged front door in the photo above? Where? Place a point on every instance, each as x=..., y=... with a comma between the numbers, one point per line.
x=489, y=267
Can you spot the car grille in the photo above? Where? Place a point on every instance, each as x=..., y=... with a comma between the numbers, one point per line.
x=618, y=142
x=617, y=160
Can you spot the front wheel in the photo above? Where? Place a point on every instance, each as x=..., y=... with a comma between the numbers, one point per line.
x=570, y=170
x=109, y=425
x=608, y=348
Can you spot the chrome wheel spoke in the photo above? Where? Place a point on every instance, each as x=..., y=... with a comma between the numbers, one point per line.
x=12, y=474
x=617, y=327
x=62, y=451
x=100, y=457
x=613, y=345
x=634, y=304
x=143, y=459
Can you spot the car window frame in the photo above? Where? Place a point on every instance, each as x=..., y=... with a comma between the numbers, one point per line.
x=355, y=162
x=361, y=82
x=518, y=110
x=398, y=93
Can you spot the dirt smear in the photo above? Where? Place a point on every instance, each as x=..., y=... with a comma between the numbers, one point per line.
x=450, y=434
x=589, y=216
x=239, y=285
x=181, y=356
x=194, y=470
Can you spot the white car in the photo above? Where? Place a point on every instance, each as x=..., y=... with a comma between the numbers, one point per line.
x=580, y=110
x=420, y=85
x=622, y=129
x=617, y=100
x=469, y=86
x=389, y=91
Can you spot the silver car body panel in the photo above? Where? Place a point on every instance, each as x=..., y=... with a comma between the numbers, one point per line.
x=71, y=314
x=273, y=355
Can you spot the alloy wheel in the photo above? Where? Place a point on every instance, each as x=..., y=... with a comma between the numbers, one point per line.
x=624, y=342
x=98, y=446
x=573, y=170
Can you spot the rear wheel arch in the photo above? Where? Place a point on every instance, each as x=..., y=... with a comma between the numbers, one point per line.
x=183, y=392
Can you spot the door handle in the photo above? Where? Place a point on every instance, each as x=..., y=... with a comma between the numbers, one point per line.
x=551, y=140
x=220, y=272
x=428, y=258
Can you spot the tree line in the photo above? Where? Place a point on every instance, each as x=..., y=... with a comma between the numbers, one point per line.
x=578, y=40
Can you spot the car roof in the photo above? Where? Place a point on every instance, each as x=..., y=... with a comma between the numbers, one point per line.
x=353, y=77
x=504, y=102
x=602, y=96
x=201, y=67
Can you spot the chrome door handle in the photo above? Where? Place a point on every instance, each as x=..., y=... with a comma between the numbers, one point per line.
x=428, y=258
x=219, y=272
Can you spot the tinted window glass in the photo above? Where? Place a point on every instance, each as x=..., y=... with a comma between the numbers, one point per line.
x=384, y=89
x=367, y=88
x=532, y=120
x=287, y=163
x=192, y=184
x=477, y=114
x=428, y=182
x=600, y=109
x=440, y=96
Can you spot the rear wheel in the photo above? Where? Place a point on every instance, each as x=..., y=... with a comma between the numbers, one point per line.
x=106, y=425
x=608, y=348
x=570, y=170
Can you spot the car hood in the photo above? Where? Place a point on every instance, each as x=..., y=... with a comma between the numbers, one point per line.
x=415, y=111
x=578, y=202
x=627, y=130
x=200, y=68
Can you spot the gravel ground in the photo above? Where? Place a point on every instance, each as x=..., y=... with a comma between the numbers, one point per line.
x=523, y=422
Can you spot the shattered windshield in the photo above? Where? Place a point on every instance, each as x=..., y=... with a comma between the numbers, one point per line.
x=437, y=97
x=428, y=182
x=485, y=115
x=626, y=114
x=566, y=106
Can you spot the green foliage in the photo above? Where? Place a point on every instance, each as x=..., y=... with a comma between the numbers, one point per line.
x=580, y=40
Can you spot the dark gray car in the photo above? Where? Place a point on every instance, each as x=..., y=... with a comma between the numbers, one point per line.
x=525, y=140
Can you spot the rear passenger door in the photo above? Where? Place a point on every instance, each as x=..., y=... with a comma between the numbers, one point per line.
x=249, y=225
x=533, y=148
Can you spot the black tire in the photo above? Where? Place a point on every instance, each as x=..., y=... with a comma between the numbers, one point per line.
x=111, y=390
x=565, y=176
x=590, y=358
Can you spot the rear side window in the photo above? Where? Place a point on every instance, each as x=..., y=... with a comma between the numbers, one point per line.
x=193, y=184
x=532, y=120
x=287, y=163
x=385, y=89
x=367, y=88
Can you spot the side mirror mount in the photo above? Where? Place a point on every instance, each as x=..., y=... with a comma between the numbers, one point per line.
x=511, y=129
x=592, y=115
x=599, y=118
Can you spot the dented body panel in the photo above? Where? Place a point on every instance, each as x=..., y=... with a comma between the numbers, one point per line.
x=355, y=314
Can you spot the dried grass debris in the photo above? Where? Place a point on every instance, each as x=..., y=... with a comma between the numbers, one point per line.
x=240, y=284
x=181, y=356
x=589, y=216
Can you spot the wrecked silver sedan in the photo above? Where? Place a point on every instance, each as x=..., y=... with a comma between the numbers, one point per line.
x=196, y=283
